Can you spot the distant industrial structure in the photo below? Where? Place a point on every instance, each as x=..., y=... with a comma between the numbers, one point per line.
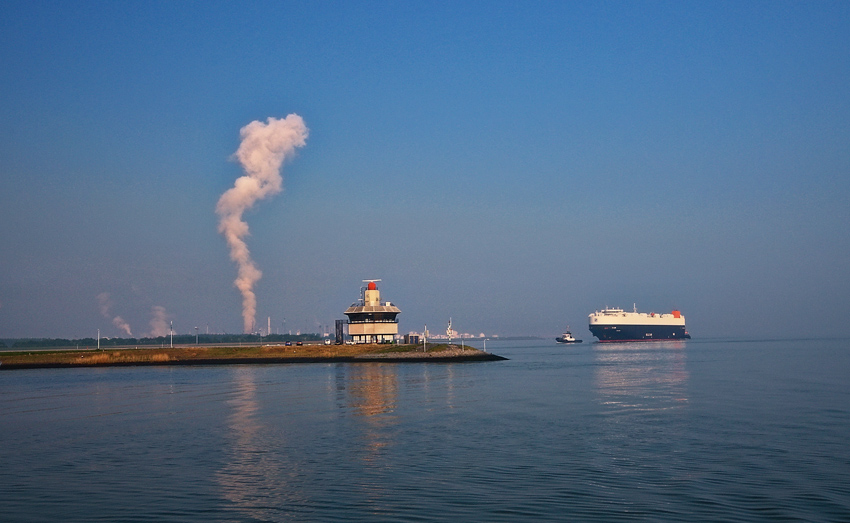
x=369, y=320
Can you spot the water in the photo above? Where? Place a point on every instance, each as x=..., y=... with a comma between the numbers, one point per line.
x=718, y=430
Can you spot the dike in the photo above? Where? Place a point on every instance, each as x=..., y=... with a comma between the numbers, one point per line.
x=261, y=355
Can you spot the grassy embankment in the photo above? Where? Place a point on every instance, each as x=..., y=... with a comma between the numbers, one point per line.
x=220, y=355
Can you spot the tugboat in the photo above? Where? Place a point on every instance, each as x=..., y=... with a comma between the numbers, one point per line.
x=567, y=337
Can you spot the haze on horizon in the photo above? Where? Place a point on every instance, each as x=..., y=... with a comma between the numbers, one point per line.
x=513, y=166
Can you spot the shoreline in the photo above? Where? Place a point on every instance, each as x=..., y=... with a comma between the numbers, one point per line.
x=263, y=355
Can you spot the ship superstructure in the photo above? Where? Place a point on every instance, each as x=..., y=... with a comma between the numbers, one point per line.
x=369, y=320
x=615, y=324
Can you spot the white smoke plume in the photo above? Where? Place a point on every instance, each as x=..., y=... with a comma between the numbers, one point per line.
x=119, y=322
x=105, y=304
x=263, y=149
x=106, y=308
x=159, y=322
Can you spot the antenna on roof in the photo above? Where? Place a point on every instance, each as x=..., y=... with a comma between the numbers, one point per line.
x=363, y=290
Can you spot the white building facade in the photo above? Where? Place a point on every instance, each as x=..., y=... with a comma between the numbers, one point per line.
x=369, y=320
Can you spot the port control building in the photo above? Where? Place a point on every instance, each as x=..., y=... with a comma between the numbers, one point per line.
x=369, y=320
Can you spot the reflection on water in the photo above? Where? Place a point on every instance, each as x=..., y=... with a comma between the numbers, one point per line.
x=350, y=417
x=253, y=477
x=371, y=393
x=645, y=376
x=602, y=432
x=373, y=390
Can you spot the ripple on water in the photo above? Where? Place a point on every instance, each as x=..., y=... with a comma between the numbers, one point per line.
x=635, y=433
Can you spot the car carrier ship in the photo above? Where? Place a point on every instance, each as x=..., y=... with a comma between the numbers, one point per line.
x=615, y=324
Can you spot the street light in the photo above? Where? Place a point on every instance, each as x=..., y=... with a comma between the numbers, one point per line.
x=196, y=335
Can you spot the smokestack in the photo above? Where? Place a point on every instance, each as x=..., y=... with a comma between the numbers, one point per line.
x=263, y=149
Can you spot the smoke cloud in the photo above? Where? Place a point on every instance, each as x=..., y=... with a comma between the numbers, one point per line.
x=261, y=153
x=119, y=322
x=159, y=322
x=105, y=310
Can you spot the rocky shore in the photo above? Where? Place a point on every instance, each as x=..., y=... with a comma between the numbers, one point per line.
x=268, y=354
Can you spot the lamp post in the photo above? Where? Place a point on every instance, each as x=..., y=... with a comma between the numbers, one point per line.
x=196, y=335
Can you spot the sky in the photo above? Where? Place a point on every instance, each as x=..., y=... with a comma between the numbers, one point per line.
x=512, y=165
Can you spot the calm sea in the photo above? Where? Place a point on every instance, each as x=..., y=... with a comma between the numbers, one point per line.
x=704, y=430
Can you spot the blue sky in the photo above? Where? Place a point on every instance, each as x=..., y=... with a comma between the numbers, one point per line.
x=515, y=166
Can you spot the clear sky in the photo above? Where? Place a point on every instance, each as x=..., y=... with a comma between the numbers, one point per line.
x=513, y=165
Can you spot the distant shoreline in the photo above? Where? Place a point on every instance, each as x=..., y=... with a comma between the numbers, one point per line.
x=269, y=354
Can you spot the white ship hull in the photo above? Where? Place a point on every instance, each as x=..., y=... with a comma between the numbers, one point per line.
x=614, y=324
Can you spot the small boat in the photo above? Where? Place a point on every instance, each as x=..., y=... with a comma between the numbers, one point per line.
x=567, y=337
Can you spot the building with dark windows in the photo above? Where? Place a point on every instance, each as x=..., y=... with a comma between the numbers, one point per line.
x=369, y=320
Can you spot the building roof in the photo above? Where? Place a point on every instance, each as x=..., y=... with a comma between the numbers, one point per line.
x=360, y=309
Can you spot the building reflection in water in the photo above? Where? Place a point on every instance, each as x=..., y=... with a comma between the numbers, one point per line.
x=370, y=391
x=264, y=475
x=644, y=376
x=252, y=478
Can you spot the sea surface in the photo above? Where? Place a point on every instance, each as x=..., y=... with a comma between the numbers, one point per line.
x=703, y=430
